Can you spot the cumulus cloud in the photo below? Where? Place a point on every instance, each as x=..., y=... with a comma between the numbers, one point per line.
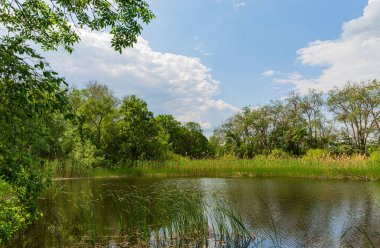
x=355, y=56
x=170, y=83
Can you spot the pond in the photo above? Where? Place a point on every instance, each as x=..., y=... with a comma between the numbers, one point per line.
x=272, y=212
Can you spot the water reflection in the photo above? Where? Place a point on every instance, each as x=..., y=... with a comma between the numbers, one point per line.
x=281, y=212
x=307, y=213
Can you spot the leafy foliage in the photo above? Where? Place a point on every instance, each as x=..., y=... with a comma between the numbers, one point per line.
x=57, y=23
x=140, y=137
x=12, y=214
x=32, y=96
x=300, y=123
x=184, y=139
x=106, y=133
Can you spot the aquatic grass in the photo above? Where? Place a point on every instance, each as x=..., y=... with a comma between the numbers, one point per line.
x=168, y=214
x=337, y=168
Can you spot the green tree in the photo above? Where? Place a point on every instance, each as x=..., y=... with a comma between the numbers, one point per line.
x=173, y=129
x=25, y=140
x=140, y=137
x=30, y=91
x=184, y=139
x=311, y=107
x=57, y=23
x=95, y=107
x=197, y=145
x=355, y=112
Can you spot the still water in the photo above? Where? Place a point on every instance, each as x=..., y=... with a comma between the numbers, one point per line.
x=279, y=212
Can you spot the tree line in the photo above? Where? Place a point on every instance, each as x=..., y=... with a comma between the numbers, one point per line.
x=343, y=122
x=106, y=131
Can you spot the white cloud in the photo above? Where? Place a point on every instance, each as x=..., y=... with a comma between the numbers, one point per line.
x=170, y=83
x=355, y=56
x=236, y=4
x=239, y=4
x=200, y=46
x=268, y=73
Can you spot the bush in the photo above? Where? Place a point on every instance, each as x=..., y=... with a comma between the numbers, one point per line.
x=278, y=154
x=345, y=150
x=316, y=154
x=176, y=157
x=12, y=215
x=228, y=156
x=260, y=157
x=374, y=159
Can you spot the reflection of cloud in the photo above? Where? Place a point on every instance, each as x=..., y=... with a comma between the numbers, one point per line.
x=355, y=56
x=170, y=83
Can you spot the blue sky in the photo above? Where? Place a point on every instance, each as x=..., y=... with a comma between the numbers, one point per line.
x=203, y=60
x=242, y=42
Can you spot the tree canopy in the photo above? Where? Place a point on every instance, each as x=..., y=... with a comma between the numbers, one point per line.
x=31, y=93
x=344, y=121
x=57, y=23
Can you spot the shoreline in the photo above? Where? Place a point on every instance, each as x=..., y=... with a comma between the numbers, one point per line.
x=287, y=168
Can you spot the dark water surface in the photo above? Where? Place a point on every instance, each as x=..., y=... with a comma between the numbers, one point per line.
x=281, y=212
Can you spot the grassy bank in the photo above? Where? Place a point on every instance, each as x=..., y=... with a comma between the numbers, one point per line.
x=349, y=168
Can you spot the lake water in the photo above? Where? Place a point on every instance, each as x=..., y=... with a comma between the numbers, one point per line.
x=279, y=212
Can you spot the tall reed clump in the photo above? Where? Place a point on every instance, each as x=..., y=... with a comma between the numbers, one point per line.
x=166, y=214
x=179, y=216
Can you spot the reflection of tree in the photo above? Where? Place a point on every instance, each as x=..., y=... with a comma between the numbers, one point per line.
x=308, y=212
x=169, y=213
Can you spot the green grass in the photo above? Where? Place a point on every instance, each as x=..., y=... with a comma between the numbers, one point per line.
x=298, y=168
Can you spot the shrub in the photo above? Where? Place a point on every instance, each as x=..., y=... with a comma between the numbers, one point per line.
x=176, y=157
x=345, y=150
x=316, y=154
x=374, y=159
x=260, y=157
x=278, y=154
x=12, y=215
x=228, y=156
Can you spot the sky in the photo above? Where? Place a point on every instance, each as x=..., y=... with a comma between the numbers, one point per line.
x=203, y=60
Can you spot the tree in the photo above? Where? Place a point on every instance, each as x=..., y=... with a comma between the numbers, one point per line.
x=311, y=107
x=184, y=139
x=95, y=106
x=57, y=23
x=173, y=130
x=358, y=115
x=197, y=145
x=140, y=137
x=372, y=97
x=25, y=108
x=30, y=91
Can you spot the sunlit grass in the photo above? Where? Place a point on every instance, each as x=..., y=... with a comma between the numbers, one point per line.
x=339, y=168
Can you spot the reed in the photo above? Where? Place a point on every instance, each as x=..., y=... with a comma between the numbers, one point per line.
x=169, y=215
x=338, y=168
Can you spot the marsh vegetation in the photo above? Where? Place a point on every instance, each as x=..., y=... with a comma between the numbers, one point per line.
x=152, y=212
